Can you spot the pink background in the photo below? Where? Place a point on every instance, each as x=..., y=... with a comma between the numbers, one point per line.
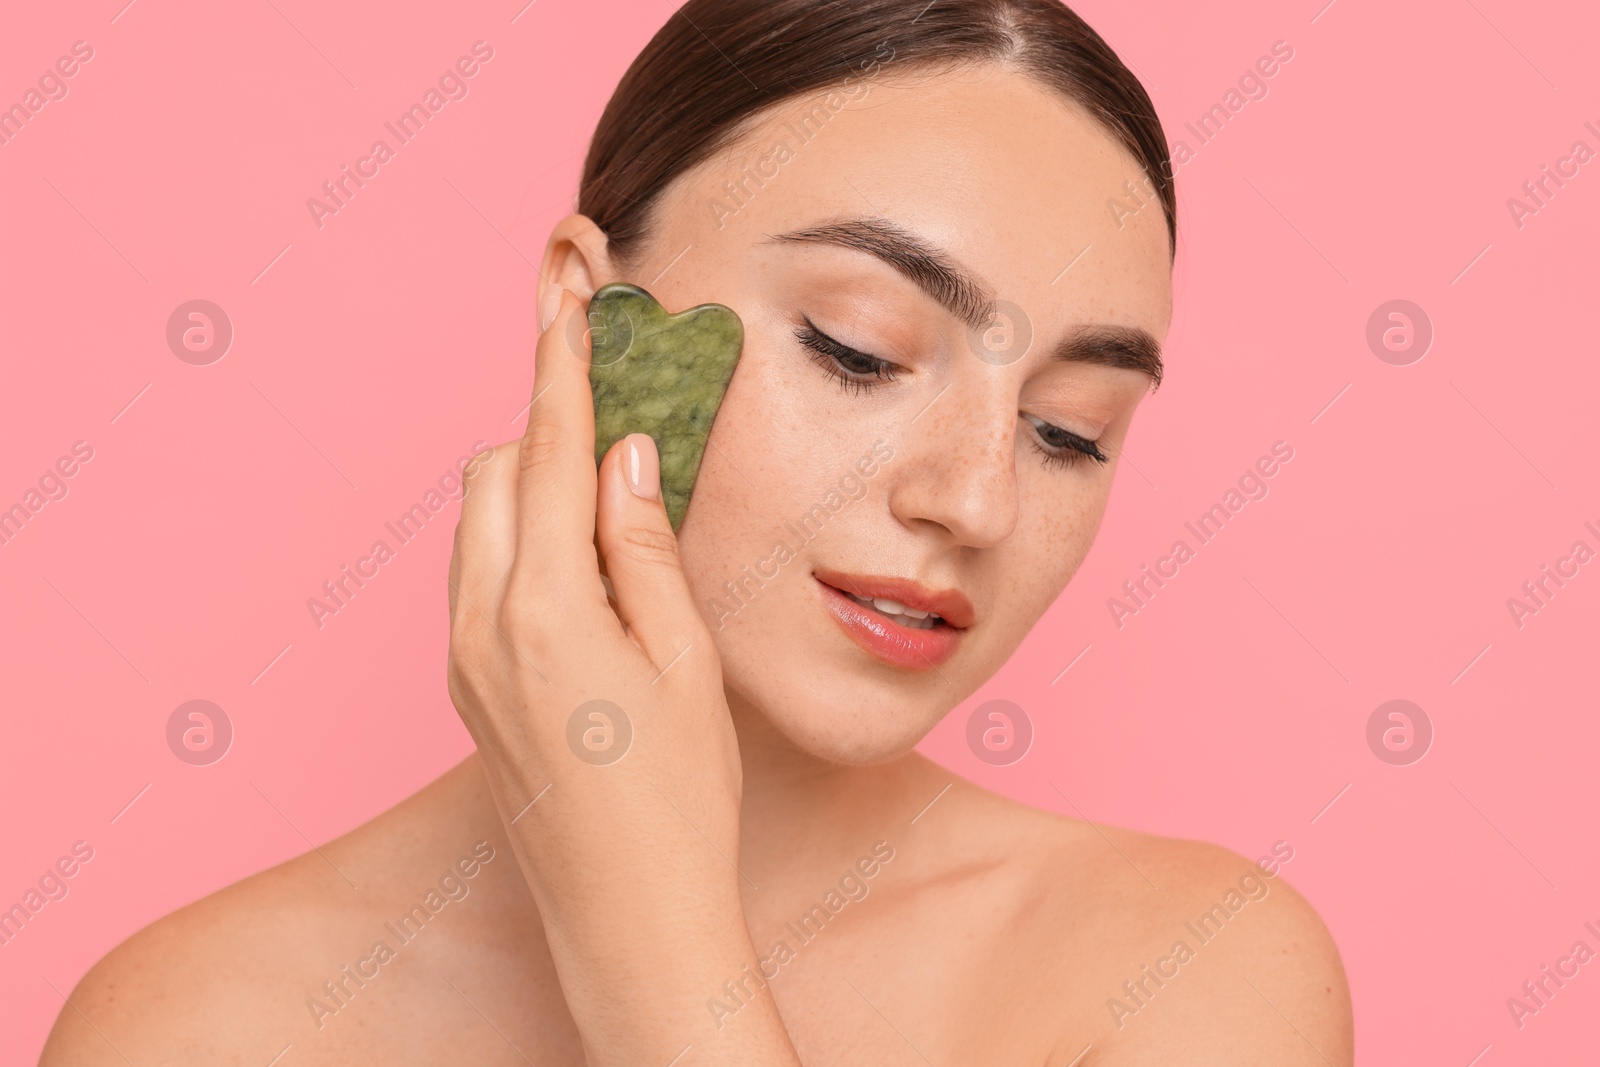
x=375, y=351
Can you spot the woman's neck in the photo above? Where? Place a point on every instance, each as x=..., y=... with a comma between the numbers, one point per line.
x=799, y=811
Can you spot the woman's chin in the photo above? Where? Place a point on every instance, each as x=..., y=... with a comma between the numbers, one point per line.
x=847, y=730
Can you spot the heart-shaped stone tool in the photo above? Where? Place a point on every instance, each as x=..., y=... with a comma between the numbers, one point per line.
x=660, y=374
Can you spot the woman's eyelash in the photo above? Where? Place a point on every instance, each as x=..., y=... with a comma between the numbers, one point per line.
x=1066, y=447
x=854, y=370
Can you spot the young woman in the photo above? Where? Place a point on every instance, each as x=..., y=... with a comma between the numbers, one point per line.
x=695, y=830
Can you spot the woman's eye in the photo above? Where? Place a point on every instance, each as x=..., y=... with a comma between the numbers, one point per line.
x=854, y=370
x=1062, y=447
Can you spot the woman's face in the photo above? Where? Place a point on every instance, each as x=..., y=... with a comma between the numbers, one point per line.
x=908, y=257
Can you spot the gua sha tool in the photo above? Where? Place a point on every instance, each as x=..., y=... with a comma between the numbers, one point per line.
x=660, y=374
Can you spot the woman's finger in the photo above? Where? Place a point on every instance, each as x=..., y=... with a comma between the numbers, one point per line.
x=641, y=555
x=486, y=533
x=555, y=459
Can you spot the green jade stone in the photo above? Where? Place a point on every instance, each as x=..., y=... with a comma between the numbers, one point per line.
x=660, y=374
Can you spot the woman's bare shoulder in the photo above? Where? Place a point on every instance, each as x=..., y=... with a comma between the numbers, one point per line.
x=229, y=975
x=1180, y=950
x=205, y=980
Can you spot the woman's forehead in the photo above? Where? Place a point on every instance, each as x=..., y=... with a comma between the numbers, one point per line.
x=999, y=171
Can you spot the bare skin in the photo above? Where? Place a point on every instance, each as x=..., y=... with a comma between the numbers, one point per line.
x=988, y=932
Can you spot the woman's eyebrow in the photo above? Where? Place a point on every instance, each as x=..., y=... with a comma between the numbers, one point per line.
x=970, y=300
x=1105, y=345
x=934, y=272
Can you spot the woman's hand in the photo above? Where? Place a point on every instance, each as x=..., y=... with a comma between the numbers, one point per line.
x=603, y=728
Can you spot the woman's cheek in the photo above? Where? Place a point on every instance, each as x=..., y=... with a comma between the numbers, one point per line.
x=741, y=492
x=716, y=536
x=1047, y=553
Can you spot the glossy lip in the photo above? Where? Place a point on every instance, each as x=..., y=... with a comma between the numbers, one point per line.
x=887, y=640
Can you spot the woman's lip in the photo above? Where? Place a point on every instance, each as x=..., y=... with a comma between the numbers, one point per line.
x=951, y=605
x=887, y=640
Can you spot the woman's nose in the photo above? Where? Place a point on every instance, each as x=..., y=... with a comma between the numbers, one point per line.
x=959, y=469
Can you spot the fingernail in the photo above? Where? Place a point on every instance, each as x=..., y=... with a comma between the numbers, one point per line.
x=549, y=306
x=641, y=466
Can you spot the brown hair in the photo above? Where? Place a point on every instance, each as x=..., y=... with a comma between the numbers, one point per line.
x=716, y=63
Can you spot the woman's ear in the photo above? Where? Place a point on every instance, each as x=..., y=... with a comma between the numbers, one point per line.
x=577, y=258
